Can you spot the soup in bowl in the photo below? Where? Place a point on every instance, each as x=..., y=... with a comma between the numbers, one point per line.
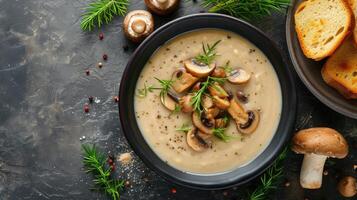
x=207, y=101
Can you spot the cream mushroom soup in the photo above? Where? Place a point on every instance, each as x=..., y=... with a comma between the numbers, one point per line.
x=208, y=101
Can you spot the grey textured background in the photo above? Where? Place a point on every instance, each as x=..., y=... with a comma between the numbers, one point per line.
x=43, y=87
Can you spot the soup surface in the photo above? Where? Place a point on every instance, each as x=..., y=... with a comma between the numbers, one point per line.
x=159, y=125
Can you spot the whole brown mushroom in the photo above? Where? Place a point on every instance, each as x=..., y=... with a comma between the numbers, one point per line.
x=138, y=24
x=317, y=144
x=347, y=186
x=162, y=7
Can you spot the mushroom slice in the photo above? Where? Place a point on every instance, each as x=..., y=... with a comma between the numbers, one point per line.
x=237, y=112
x=221, y=123
x=207, y=102
x=221, y=103
x=219, y=72
x=168, y=102
x=197, y=122
x=182, y=81
x=212, y=113
x=185, y=103
x=195, y=141
x=238, y=76
x=347, y=186
x=138, y=24
x=317, y=144
x=162, y=7
x=198, y=69
x=251, y=125
x=217, y=90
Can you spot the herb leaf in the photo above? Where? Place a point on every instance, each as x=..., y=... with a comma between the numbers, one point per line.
x=196, y=100
x=184, y=128
x=220, y=133
x=246, y=9
x=144, y=91
x=227, y=68
x=102, y=11
x=94, y=162
x=208, y=54
x=270, y=179
x=165, y=86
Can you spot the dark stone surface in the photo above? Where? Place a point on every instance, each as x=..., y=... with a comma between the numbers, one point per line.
x=43, y=87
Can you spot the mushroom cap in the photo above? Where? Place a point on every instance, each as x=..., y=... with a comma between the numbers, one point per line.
x=320, y=141
x=347, y=186
x=138, y=24
x=162, y=7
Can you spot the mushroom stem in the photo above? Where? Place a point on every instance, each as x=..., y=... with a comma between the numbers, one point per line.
x=311, y=171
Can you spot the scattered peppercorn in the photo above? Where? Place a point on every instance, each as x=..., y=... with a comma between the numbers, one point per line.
x=202, y=11
x=87, y=72
x=116, y=99
x=112, y=167
x=86, y=108
x=101, y=36
x=127, y=183
x=125, y=47
x=105, y=57
x=173, y=190
x=325, y=173
x=90, y=99
x=100, y=65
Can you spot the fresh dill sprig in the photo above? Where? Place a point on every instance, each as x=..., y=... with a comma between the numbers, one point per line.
x=94, y=162
x=227, y=67
x=196, y=100
x=246, y=9
x=220, y=133
x=165, y=86
x=102, y=11
x=143, y=92
x=270, y=179
x=184, y=128
x=208, y=54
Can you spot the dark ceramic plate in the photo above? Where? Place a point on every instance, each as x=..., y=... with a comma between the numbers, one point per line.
x=136, y=64
x=309, y=72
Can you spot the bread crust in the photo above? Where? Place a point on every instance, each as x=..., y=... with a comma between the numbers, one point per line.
x=343, y=61
x=338, y=43
x=348, y=94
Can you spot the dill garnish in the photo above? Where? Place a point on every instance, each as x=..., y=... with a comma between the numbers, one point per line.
x=246, y=9
x=94, y=162
x=208, y=54
x=102, y=11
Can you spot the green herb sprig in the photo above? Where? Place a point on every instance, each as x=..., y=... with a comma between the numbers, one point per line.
x=220, y=133
x=94, y=162
x=270, y=179
x=208, y=54
x=227, y=67
x=196, y=100
x=246, y=9
x=165, y=86
x=184, y=128
x=102, y=11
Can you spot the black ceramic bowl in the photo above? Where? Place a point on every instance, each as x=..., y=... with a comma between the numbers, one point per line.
x=309, y=72
x=139, y=59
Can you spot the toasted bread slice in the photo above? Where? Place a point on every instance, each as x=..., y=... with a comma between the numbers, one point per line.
x=353, y=4
x=340, y=70
x=322, y=26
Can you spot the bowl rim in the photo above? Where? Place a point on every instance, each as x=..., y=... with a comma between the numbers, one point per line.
x=322, y=98
x=289, y=104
